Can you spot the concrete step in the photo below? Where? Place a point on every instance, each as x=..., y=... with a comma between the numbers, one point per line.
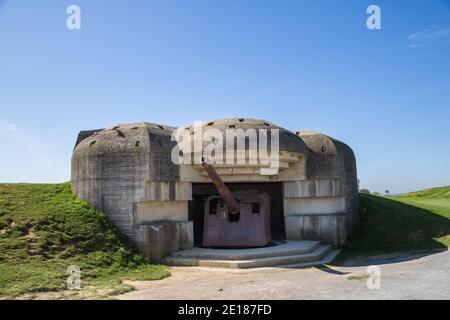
x=288, y=248
x=325, y=260
x=258, y=262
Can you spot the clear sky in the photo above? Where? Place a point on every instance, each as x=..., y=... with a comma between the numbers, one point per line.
x=300, y=64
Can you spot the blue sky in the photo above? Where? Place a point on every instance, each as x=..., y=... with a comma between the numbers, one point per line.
x=300, y=64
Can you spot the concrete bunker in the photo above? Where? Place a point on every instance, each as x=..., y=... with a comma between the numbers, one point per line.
x=127, y=172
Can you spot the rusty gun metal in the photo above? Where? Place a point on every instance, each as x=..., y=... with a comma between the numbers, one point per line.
x=232, y=204
x=239, y=219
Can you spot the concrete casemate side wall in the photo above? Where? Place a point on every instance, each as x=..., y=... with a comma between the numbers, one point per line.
x=126, y=171
x=112, y=183
x=152, y=211
x=311, y=206
x=325, y=205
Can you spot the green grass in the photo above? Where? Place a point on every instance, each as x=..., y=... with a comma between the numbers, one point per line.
x=433, y=193
x=44, y=229
x=418, y=221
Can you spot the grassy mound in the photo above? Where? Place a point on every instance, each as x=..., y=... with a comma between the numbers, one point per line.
x=433, y=193
x=44, y=229
x=412, y=222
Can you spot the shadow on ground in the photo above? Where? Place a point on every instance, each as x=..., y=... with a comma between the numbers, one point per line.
x=388, y=258
x=330, y=270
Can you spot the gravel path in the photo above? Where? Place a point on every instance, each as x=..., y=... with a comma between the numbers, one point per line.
x=403, y=276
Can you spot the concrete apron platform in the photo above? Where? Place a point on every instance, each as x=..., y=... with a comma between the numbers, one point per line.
x=288, y=254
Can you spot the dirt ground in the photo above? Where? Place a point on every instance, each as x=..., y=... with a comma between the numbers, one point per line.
x=401, y=276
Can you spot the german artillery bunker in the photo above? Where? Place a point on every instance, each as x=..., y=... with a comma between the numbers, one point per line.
x=169, y=208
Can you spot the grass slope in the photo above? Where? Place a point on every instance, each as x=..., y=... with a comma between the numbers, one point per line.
x=433, y=193
x=44, y=229
x=411, y=222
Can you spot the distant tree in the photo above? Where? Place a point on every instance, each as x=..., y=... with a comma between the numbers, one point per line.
x=376, y=194
x=387, y=192
x=364, y=191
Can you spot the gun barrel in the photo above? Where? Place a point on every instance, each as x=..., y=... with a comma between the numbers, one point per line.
x=231, y=202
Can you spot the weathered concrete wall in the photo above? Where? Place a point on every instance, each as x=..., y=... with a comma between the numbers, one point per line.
x=324, y=206
x=311, y=206
x=159, y=239
x=329, y=228
x=313, y=188
x=152, y=211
